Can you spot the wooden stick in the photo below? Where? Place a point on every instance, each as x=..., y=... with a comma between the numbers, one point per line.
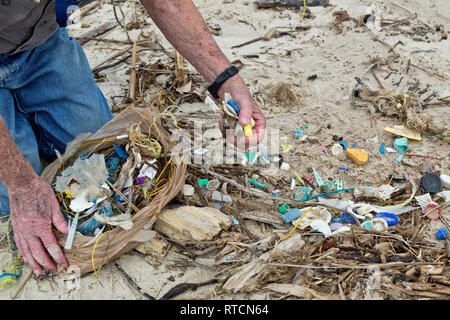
x=139, y=289
x=132, y=91
x=22, y=285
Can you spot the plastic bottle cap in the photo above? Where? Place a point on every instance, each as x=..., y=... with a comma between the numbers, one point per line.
x=442, y=234
x=390, y=218
x=284, y=208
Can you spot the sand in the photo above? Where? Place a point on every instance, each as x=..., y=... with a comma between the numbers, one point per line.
x=278, y=78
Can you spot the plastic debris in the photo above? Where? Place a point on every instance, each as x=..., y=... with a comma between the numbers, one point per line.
x=390, y=218
x=405, y=132
x=298, y=133
x=442, y=234
x=203, y=182
x=318, y=178
x=257, y=183
x=382, y=148
x=383, y=192
x=431, y=183
x=357, y=156
x=122, y=153
x=401, y=144
x=445, y=180
x=379, y=224
x=90, y=172
x=400, y=158
x=285, y=166
x=284, y=208
x=336, y=150
x=188, y=190
x=445, y=195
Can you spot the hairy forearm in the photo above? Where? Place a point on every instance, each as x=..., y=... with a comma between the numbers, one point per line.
x=15, y=171
x=182, y=24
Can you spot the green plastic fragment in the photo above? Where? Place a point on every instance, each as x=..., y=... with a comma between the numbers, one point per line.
x=257, y=183
x=284, y=208
x=251, y=156
x=203, y=182
x=401, y=144
x=318, y=178
x=302, y=193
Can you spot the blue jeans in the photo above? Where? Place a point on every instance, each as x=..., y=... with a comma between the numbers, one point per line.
x=48, y=96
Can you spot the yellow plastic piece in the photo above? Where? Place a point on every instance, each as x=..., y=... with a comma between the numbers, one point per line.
x=248, y=130
x=357, y=156
x=405, y=132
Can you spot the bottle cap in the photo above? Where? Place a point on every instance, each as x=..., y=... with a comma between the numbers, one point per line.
x=390, y=218
x=284, y=208
x=442, y=234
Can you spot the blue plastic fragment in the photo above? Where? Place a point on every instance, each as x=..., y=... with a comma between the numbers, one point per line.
x=348, y=218
x=235, y=221
x=400, y=158
x=298, y=133
x=390, y=218
x=232, y=103
x=291, y=215
x=337, y=220
x=345, y=169
x=343, y=145
x=354, y=144
x=383, y=148
x=442, y=234
x=120, y=152
x=112, y=164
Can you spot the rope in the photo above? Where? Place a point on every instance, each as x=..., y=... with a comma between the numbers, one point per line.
x=304, y=10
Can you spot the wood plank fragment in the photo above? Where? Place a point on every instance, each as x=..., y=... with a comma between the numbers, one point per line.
x=188, y=223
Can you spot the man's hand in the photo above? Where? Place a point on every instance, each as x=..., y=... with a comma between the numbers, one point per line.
x=249, y=109
x=197, y=45
x=34, y=209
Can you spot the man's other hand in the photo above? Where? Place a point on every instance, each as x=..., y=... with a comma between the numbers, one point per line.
x=34, y=209
x=248, y=110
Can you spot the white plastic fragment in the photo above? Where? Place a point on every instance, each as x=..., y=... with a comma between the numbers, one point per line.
x=382, y=192
x=122, y=220
x=188, y=190
x=285, y=166
x=379, y=224
x=445, y=179
x=445, y=195
x=211, y=104
x=321, y=226
x=72, y=229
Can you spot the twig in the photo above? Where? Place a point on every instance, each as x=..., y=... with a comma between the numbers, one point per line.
x=132, y=91
x=22, y=285
x=145, y=294
x=182, y=287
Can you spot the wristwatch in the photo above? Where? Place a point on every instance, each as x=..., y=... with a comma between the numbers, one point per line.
x=220, y=80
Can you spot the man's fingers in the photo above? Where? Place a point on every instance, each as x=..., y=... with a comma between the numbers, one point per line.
x=245, y=116
x=58, y=219
x=40, y=254
x=54, y=249
x=26, y=253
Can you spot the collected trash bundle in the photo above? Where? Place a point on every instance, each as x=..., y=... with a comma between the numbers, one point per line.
x=111, y=184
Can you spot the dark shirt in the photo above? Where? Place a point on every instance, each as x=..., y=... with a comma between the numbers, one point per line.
x=25, y=24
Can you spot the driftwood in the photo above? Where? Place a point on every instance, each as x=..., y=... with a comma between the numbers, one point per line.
x=191, y=223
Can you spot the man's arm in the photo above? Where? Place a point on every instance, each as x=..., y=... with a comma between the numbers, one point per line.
x=182, y=24
x=33, y=207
